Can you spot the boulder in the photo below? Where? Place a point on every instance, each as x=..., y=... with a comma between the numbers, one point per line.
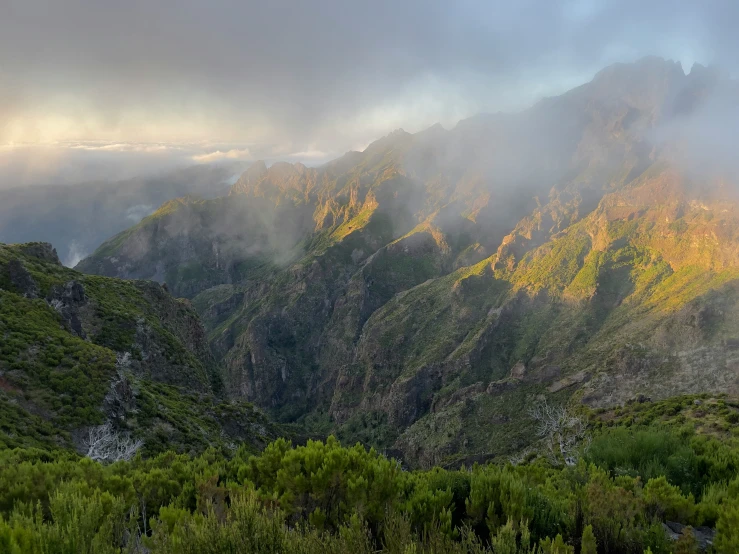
x=703, y=535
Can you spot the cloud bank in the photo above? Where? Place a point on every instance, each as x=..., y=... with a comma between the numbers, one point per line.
x=315, y=77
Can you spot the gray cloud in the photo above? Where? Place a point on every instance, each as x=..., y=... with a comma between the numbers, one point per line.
x=138, y=212
x=318, y=76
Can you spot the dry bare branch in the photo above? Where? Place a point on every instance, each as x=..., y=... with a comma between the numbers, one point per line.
x=563, y=433
x=104, y=444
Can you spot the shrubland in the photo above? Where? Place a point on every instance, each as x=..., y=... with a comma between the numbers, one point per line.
x=325, y=497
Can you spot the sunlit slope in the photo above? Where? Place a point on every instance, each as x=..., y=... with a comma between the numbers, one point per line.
x=639, y=298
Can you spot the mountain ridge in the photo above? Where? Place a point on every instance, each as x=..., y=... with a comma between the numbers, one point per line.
x=416, y=293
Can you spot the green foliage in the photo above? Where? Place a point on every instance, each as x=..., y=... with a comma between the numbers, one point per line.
x=557, y=264
x=513, y=539
x=556, y=546
x=170, y=418
x=497, y=494
x=53, y=383
x=59, y=371
x=22, y=429
x=666, y=501
x=368, y=428
x=325, y=481
x=687, y=543
x=649, y=453
x=727, y=530
x=588, y=544
x=322, y=497
x=79, y=523
x=613, y=512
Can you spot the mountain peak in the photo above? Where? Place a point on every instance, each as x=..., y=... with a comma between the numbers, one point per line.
x=435, y=129
x=648, y=85
x=643, y=66
x=257, y=168
x=708, y=75
x=250, y=177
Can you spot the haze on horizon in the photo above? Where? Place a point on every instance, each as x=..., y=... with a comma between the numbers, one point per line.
x=105, y=89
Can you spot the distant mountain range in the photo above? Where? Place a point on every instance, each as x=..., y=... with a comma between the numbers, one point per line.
x=420, y=294
x=77, y=218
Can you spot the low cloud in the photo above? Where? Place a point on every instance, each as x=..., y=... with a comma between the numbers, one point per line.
x=139, y=212
x=55, y=164
x=218, y=155
x=312, y=155
x=271, y=72
x=75, y=254
x=124, y=147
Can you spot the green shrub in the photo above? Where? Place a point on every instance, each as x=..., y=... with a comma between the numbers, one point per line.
x=727, y=530
x=665, y=501
x=322, y=497
x=649, y=453
x=588, y=544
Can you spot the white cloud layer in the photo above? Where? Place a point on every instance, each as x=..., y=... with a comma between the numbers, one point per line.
x=218, y=155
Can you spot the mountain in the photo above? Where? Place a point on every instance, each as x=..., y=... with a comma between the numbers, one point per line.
x=80, y=351
x=419, y=294
x=76, y=218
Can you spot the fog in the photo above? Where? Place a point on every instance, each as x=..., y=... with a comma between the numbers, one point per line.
x=77, y=217
x=169, y=83
x=126, y=105
x=703, y=141
x=99, y=161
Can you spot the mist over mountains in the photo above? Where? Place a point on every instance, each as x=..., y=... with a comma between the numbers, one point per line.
x=416, y=293
x=78, y=217
x=401, y=276
x=537, y=312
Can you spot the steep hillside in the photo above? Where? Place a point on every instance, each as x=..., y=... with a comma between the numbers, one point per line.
x=418, y=294
x=616, y=306
x=80, y=350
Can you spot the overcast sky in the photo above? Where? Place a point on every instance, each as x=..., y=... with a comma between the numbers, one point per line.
x=312, y=79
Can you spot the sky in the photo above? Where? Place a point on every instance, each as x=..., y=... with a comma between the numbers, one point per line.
x=106, y=87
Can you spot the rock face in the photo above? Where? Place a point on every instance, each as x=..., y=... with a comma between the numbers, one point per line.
x=432, y=286
x=703, y=535
x=42, y=251
x=68, y=300
x=22, y=280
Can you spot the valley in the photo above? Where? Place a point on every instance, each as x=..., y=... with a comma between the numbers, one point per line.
x=415, y=294
x=518, y=335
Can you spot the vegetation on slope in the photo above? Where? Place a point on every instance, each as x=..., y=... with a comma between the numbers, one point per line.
x=322, y=497
x=80, y=350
